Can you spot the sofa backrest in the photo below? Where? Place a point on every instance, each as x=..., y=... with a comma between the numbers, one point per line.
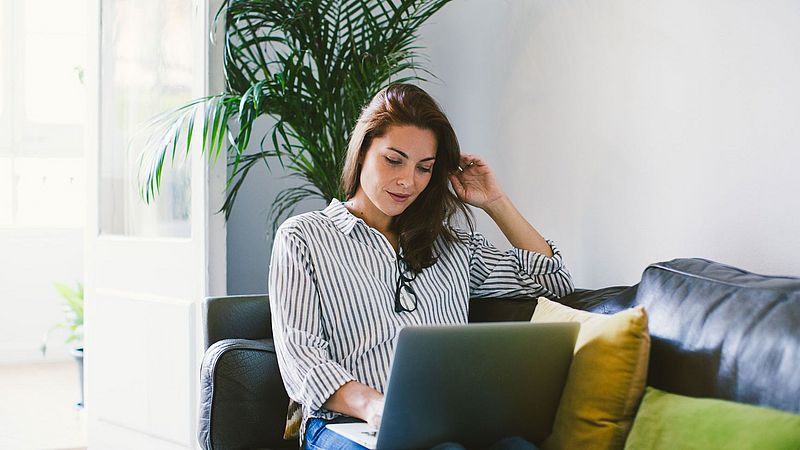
x=717, y=331
x=236, y=317
x=722, y=332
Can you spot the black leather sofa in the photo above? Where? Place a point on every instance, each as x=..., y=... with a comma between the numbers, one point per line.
x=717, y=331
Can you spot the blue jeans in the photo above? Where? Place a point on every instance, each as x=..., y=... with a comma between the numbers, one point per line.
x=320, y=438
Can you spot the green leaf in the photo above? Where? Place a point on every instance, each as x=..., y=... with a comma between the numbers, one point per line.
x=309, y=64
x=73, y=314
x=74, y=298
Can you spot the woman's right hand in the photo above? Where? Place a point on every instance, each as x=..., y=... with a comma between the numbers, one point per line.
x=357, y=400
x=375, y=412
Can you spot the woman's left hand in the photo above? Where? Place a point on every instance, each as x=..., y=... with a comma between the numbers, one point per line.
x=475, y=183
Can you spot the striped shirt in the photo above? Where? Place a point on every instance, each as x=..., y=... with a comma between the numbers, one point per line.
x=332, y=294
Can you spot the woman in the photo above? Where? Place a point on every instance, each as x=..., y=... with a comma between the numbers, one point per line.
x=345, y=280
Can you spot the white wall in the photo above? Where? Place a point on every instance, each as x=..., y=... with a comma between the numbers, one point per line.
x=249, y=239
x=634, y=131
x=629, y=132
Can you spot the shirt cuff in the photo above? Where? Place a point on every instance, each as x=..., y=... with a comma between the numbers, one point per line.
x=323, y=381
x=535, y=263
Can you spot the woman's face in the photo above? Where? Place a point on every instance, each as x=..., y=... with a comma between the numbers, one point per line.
x=396, y=169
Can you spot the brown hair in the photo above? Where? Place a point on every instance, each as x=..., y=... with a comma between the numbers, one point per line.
x=431, y=213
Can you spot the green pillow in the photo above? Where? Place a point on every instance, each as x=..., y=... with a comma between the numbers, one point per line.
x=670, y=421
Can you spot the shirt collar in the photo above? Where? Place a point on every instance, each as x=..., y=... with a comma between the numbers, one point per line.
x=345, y=221
x=341, y=216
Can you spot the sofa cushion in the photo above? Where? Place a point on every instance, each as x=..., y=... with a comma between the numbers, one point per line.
x=669, y=421
x=606, y=378
x=722, y=332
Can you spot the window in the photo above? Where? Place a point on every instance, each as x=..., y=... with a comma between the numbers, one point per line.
x=43, y=47
x=54, y=50
x=143, y=74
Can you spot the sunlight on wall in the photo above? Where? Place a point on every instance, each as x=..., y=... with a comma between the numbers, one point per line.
x=50, y=192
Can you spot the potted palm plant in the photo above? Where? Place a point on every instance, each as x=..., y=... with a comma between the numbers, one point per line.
x=73, y=324
x=310, y=65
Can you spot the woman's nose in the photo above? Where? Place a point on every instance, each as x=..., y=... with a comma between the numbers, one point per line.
x=406, y=178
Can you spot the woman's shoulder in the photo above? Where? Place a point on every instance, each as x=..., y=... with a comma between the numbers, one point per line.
x=460, y=234
x=453, y=237
x=461, y=240
x=305, y=224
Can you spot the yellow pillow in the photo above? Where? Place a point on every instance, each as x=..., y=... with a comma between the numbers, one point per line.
x=606, y=379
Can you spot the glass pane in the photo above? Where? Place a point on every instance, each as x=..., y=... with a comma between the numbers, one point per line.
x=52, y=37
x=50, y=192
x=146, y=51
x=55, y=57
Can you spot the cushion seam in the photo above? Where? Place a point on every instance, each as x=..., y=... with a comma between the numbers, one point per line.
x=714, y=280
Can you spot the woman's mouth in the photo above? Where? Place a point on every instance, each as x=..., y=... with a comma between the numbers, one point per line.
x=398, y=197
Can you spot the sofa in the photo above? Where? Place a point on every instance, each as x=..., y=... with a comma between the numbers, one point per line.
x=716, y=332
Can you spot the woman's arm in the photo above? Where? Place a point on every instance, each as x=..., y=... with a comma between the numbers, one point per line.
x=519, y=232
x=476, y=185
x=357, y=400
x=309, y=375
x=533, y=268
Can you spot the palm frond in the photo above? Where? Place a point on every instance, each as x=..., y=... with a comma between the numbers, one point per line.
x=309, y=64
x=287, y=200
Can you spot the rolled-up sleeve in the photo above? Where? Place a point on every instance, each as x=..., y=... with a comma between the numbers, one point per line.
x=309, y=374
x=515, y=272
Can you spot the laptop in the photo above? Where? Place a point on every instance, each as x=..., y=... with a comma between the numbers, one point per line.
x=471, y=384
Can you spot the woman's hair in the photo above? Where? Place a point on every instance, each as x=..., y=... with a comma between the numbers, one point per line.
x=430, y=215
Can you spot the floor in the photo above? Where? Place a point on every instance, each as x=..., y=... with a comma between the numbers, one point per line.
x=37, y=407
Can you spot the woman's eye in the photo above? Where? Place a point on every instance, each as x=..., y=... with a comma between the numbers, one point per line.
x=425, y=169
x=393, y=162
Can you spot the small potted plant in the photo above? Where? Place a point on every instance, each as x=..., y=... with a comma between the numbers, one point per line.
x=73, y=323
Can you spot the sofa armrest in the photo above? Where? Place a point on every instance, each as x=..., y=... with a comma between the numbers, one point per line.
x=242, y=398
x=607, y=300
x=236, y=317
